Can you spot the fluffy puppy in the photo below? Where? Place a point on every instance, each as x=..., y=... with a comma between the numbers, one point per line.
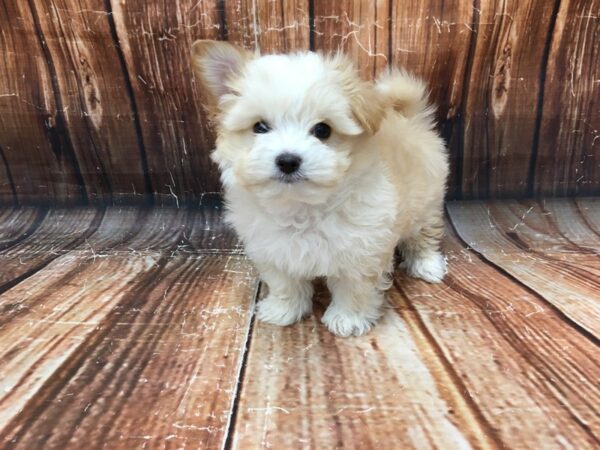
x=324, y=175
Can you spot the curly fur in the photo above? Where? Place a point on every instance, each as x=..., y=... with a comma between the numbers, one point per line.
x=377, y=182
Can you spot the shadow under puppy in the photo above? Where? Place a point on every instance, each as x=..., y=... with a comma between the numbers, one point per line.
x=324, y=175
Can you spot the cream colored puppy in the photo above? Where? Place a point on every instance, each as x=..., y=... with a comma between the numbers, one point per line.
x=324, y=176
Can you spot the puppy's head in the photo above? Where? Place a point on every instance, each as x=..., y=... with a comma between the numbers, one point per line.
x=286, y=124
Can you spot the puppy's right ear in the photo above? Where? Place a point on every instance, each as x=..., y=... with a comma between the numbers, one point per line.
x=216, y=64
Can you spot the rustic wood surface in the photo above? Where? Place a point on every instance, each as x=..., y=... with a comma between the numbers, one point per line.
x=569, y=134
x=98, y=103
x=95, y=332
x=502, y=88
x=433, y=39
x=132, y=327
x=526, y=240
x=38, y=161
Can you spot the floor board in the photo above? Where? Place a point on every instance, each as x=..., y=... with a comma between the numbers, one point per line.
x=135, y=335
x=130, y=328
x=530, y=240
x=155, y=366
x=476, y=362
x=58, y=232
x=18, y=223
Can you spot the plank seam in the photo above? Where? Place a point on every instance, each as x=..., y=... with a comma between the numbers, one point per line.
x=107, y=189
x=390, y=11
x=223, y=31
x=132, y=102
x=590, y=336
x=13, y=188
x=486, y=429
x=460, y=155
x=311, y=25
x=233, y=414
x=540, y=105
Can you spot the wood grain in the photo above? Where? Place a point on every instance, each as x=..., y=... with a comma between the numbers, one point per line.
x=524, y=239
x=138, y=298
x=269, y=26
x=18, y=223
x=96, y=106
x=98, y=103
x=479, y=361
x=305, y=388
x=59, y=232
x=36, y=237
x=590, y=210
x=360, y=29
x=128, y=327
x=568, y=154
x=34, y=143
x=155, y=38
x=181, y=324
x=527, y=370
x=503, y=88
x=433, y=39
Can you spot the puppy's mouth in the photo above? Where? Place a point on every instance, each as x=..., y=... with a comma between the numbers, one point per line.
x=291, y=178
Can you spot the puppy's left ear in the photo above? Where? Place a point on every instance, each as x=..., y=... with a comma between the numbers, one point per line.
x=367, y=107
x=216, y=64
x=366, y=102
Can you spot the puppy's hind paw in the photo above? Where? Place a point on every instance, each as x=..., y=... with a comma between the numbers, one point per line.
x=282, y=312
x=430, y=268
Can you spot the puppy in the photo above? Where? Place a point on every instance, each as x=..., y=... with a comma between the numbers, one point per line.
x=324, y=175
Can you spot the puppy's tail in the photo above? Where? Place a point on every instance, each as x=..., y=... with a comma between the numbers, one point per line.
x=405, y=93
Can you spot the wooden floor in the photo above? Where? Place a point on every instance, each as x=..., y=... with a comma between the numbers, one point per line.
x=127, y=328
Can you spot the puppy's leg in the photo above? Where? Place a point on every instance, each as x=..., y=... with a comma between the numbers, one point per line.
x=422, y=256
x=355, y=306
x=289, y=299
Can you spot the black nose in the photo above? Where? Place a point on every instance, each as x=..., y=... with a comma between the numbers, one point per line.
x=288, y=162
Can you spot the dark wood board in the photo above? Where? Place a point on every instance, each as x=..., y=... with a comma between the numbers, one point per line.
x=568, y=154
x=501, y=97
x=35, y=150
x=98, y=102
x=271, y=27
x=96, y=108
x=156, y=38
x=433, y=40
x=359, y=29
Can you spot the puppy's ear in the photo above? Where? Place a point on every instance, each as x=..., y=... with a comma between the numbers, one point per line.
x=366, y=102
x=367, y=107
x=216, y=64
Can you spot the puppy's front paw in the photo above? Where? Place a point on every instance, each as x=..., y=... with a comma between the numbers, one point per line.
x=431, y=268
x=346, y=323
x=282, y=312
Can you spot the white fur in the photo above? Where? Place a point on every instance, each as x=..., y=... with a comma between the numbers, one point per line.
x=431, y=268
x=364, y=191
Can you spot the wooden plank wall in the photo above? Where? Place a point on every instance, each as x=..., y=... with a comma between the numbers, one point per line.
x=98, y=103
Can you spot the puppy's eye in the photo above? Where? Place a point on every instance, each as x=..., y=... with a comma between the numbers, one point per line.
x=261, y=127
x=321, y=131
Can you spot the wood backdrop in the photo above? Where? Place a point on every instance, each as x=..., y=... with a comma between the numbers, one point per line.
x=98, y=103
